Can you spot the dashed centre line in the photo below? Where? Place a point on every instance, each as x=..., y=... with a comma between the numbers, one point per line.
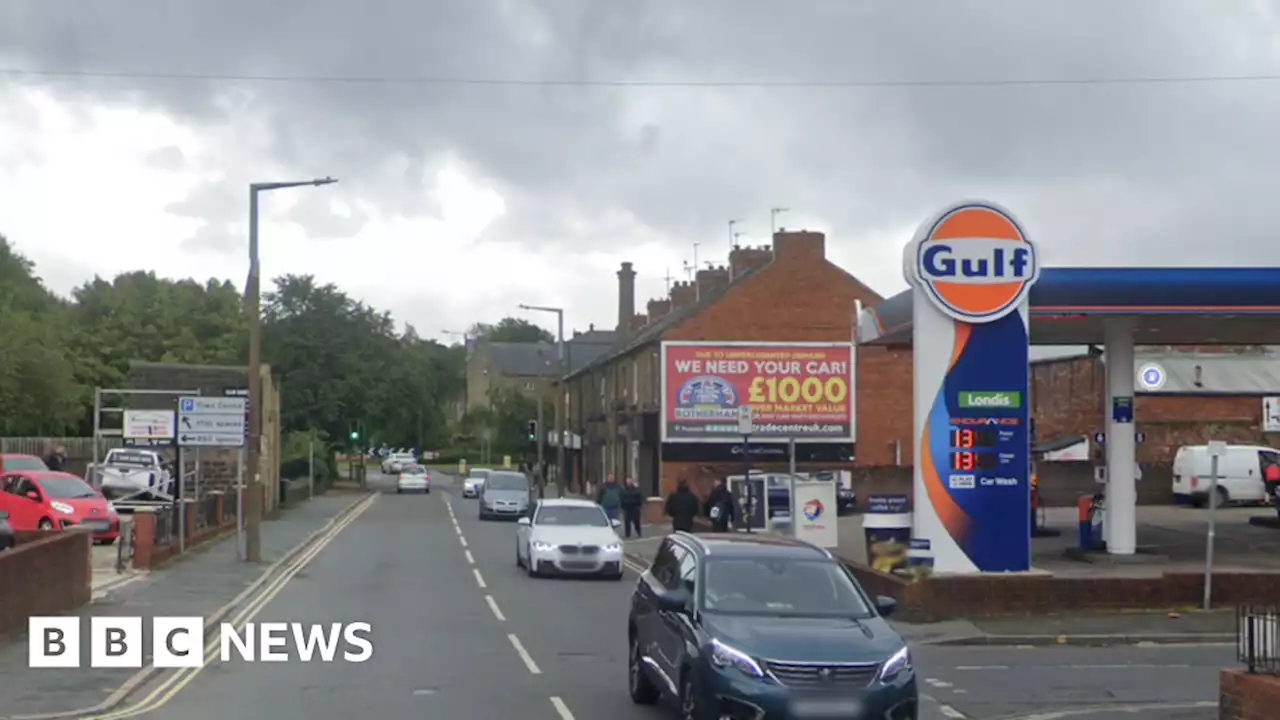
x=479, y=578
x=561, y=709
x=524, y=655
x=493, y=605
x=470, y=559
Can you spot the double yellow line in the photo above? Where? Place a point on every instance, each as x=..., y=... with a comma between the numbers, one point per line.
x=174, y=684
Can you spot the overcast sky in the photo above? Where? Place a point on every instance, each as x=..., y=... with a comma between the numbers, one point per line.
x=459, y=200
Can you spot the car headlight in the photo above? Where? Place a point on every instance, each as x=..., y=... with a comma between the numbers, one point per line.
x=543, y=547
x=63, y=508
x=111, y=508
x=723, y=656
x=614, y=548
x=898, y=664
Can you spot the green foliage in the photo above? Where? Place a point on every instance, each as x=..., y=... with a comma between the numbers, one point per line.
x=511, y=330
x=506, y=418
x=335, y=359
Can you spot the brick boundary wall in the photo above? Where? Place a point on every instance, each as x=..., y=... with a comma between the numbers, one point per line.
x=949, y=598
x=45, y=574
x=1245, y=696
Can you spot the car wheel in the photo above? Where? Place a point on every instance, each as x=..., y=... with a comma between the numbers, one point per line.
x=45, y=524
x=531, y=566
x=399, y=491
x=108, y=541
x=519, y=560
x=619, y=576
x=1224, y=497
x=643, y=691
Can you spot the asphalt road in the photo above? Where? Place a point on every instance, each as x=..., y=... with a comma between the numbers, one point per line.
x=460, y=632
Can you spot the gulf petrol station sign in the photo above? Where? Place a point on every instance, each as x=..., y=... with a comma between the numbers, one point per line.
x=801, y=391
x=972, y=267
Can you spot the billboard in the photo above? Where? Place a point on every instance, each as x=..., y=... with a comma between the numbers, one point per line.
x=795, y=390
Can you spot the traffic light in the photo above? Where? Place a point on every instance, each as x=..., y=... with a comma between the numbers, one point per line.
x=532, y=430
x=355, y=430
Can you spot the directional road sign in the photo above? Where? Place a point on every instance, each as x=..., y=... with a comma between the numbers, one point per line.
x=148, y=424
x=211, y=421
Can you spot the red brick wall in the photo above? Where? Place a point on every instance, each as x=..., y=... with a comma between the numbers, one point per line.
x=884, y=406
x=1068, y=398
x=1242, y=696
x=44, y=576
x=800, y=297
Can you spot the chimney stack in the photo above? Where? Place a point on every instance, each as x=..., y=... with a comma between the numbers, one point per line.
x=658, y=309
x=803, y=245
x=683, y=295
x=638, y=322
x=626, y=300
x=711, y=280
x=743, y=260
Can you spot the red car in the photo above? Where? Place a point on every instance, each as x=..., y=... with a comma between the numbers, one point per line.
x=47, y=500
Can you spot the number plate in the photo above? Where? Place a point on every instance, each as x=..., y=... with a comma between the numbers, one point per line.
x=826, y=707
x=97, y=525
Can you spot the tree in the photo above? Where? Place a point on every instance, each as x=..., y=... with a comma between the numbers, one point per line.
x=511, y=330
x=510, y=413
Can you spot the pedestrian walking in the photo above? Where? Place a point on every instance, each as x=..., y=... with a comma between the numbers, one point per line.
x=632, y=504
x=609, y=497
x=719, y=507
x=682, y=507
x=56, y=459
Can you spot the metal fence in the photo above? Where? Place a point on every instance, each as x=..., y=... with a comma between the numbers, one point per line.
x=1258, y=637
x=77, y=447
x=167, y=525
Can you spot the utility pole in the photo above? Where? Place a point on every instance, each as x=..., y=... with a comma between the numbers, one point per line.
x=733, y=236
x=560, y=395
x=257, y=405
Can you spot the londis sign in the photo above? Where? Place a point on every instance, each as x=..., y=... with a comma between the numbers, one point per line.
x=975, y=263
x=795, y=390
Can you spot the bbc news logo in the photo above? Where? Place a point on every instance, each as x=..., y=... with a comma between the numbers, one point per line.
x=179, y=642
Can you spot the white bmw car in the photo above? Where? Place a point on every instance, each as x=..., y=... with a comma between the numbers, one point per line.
x=473, y=482
x=413, y=478
x=569, y=537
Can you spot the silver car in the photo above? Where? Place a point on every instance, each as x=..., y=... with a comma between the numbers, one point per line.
x=504, y=494
x=413, y=478
x=474, y=481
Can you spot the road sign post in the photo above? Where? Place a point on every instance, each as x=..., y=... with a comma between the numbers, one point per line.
x=216, y=422
x=746, y=425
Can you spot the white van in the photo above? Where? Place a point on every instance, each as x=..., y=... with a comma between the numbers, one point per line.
x=1239, y=473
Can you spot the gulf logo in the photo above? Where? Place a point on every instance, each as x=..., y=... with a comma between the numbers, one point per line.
x=975, y=262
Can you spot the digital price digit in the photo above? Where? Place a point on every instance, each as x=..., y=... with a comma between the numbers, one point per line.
x=790, y=389
x=969, y=461
x=969, y=438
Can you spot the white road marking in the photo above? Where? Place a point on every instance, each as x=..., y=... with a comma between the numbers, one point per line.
x=938, y=683
x=479, y=578
x=524, y=655
x=462, y=539
x=493, y=605
x=561, y=708
x=458, y=529
x=952, y=712
x=470, y=560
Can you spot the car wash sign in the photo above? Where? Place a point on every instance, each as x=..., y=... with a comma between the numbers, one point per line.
x=972, y=267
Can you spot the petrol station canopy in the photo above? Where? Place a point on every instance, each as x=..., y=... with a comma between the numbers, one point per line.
x=1177, y=305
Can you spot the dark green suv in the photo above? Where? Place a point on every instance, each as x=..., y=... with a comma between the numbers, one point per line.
x=760, y=628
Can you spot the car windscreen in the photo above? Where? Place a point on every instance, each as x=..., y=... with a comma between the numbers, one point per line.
x=18, y=463
x=128, y=459
x=413, y=470
x=781, y=587
x=506, y=481
x=478, y=474
x=65, y=488
x=562, y=515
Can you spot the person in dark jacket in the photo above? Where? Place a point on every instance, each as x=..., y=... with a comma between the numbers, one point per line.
x=719, y=507
x=632, y=504
x=682, y=507
x=56, y=460
x=610, y=497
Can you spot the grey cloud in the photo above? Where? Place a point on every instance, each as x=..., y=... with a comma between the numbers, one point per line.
x=1103, y=173
x=167, y=158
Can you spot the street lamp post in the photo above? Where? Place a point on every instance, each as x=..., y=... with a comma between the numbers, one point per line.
x=253, y=311
x=561, y=371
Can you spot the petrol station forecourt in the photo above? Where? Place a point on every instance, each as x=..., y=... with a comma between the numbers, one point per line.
x=970, y=328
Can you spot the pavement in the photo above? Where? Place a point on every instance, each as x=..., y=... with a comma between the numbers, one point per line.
x=199, y=584
x=460, y=632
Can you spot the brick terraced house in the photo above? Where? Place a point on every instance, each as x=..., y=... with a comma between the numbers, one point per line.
x=765, y=298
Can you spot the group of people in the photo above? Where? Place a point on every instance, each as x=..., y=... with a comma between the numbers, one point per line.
x=682, y=505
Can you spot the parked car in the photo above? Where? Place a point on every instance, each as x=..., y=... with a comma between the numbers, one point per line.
x=1240, y=474
x=133, y=474
x=7, y=540
x=47, y=500
x=16, y=462
x=750, y=627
